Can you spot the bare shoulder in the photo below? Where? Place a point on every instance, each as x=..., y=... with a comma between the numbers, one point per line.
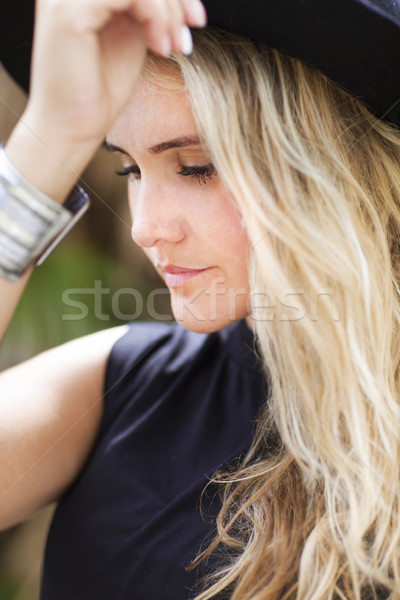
x=50, y=411
x=76, y=367
x=85, y=351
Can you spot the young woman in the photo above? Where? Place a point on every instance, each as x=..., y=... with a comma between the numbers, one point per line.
x=254, y=453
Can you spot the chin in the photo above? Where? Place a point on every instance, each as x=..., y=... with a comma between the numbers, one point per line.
x=204, y=322
x=205, y=313
x=206, y=326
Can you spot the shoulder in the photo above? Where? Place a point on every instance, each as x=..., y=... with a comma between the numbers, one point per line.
x=50, y=415
x=159, y=356
x=142, y=341
x=171, y=347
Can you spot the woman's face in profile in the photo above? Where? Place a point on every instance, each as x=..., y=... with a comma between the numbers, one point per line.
x=182, y=216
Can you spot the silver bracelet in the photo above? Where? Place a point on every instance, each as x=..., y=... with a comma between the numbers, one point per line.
x=31, y=223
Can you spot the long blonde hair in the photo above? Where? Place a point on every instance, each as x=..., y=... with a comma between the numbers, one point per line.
x=317, y=180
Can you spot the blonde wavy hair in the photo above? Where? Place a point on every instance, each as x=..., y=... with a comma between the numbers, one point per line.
x=317, y=180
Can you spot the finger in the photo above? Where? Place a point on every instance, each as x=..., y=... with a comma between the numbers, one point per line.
x=184, y=13
x=155, y=18
x=163, y=43
x=194, y=13
x=121, y=40
x=158, y=37
x=176, y=15
x=164, y=24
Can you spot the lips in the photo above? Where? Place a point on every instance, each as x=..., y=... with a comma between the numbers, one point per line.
x=175, y=276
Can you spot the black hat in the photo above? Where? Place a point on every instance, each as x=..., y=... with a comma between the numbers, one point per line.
x=355, y=42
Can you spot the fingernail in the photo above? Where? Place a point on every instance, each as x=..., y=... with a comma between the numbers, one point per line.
x=198, y=13
x=186, y=40
x=166, y=45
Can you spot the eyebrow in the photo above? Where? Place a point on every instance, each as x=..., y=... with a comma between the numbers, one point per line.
x=179, y=142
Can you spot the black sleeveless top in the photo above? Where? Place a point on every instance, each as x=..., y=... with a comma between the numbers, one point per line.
x=178, y=407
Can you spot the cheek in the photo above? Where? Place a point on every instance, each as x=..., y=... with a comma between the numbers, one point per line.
x=225, y=230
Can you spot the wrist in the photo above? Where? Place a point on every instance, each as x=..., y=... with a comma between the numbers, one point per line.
x=49, y=161
x=31, y=223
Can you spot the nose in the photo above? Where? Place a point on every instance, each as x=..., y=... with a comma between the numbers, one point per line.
x=156, y=217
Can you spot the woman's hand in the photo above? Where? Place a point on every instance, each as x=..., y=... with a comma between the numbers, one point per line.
x=87, y=55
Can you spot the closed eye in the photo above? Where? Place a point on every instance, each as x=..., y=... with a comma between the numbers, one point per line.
x=131, y=170
x=200, y=174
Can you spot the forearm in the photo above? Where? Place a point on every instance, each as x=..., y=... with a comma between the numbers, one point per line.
x=10, y=294
x=54, y=173
x=52, y=163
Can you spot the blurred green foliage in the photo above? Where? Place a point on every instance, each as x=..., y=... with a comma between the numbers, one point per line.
x=8, y=587
x=79, y=289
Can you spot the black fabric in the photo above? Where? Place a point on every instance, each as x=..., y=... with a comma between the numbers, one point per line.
x=355, y=42
x=178, y=406
x=16, y=24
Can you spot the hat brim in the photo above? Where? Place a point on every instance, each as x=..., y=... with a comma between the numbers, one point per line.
x=354, y=42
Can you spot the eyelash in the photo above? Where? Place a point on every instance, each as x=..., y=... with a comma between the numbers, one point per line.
x=200, y=174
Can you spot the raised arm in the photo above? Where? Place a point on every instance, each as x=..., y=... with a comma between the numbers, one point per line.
x=87, y=56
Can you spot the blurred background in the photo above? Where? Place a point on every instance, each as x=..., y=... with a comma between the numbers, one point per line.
x=97, y=278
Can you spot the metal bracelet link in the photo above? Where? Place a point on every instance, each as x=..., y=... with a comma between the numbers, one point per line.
x=31, y=223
